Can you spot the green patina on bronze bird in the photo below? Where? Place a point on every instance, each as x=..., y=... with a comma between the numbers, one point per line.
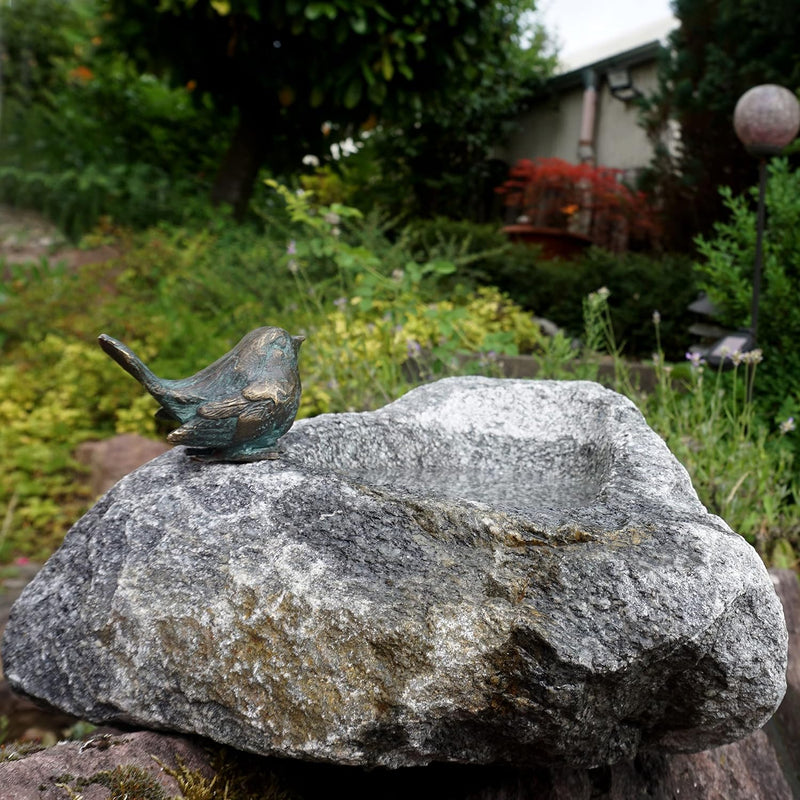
x=237, y=408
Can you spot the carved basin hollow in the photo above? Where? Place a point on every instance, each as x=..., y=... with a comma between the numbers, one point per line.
x=564, y=446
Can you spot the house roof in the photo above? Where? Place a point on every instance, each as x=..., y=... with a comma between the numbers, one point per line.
x=628, y=50
x=628, y=58
x=623, y=42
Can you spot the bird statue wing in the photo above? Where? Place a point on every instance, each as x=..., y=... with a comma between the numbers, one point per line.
x=223, y=422
x=259, y=392
x=267, y=389
x=255, y=419
x=204, y=432
x=221, y=409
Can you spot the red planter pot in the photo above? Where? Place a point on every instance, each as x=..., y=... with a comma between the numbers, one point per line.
x=555, y=242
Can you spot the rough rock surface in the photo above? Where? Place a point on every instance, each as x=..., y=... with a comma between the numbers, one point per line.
x=24, y=719
x=745, y=770
x=784, y=727
x=762, y=766
x=484, y=570
x=94, y=769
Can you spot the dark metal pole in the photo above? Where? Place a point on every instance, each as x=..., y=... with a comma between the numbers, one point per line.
x=762, y=188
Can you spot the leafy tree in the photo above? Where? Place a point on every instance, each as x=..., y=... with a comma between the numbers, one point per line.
x=722, y=49
x=301, y=75
x=34, y=36
x=440, y=156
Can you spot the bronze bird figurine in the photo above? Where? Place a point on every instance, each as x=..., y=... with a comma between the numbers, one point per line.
x=237, y=408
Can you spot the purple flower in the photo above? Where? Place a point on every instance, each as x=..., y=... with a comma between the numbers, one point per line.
x=291, y=248
x=413, y=348
x=695, y=359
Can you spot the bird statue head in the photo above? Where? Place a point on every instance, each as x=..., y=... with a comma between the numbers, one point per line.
x=287, y=344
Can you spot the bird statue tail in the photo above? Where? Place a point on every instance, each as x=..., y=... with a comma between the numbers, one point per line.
x=131, y=363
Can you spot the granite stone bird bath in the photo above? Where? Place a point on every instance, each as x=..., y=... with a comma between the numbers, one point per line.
x=483, y=571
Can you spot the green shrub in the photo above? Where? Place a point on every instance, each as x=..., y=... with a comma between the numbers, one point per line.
x=56, y=394
x=741, y=463
x=726, y=274
x=639, y=284
x=483, y=252
x=37, y=36
x=380, y=307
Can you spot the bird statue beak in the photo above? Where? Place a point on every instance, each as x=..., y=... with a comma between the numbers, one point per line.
x=298, y=340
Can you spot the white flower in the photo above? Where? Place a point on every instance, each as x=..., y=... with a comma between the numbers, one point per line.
x=787, y=425
x=754, y=356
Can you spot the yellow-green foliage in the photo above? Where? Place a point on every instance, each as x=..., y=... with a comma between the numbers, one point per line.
x=56, y=394
x=390, y=324
x=354, y=358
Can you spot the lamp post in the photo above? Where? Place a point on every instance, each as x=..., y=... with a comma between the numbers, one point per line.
x=766, y=119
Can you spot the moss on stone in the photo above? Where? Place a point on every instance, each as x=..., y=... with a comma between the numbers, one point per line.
x=16, y=751
x=126, y=782
x=234, y=779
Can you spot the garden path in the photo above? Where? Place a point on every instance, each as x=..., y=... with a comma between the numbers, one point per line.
x=27, y=235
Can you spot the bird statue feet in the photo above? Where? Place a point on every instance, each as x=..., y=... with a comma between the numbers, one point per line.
x=209, y=456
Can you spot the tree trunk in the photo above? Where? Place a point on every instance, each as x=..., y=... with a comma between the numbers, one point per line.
x=236, y=176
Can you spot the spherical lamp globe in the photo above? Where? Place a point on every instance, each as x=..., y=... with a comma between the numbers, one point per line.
x=766, y=119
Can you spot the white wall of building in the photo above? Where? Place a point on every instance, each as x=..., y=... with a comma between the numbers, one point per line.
x=552, y=130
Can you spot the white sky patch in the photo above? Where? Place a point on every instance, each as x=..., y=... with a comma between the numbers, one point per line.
x=579, y=26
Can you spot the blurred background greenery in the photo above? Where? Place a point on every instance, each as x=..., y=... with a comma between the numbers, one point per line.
x=193, y=140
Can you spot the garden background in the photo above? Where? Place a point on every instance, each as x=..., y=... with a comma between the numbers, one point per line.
x=198, y=146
